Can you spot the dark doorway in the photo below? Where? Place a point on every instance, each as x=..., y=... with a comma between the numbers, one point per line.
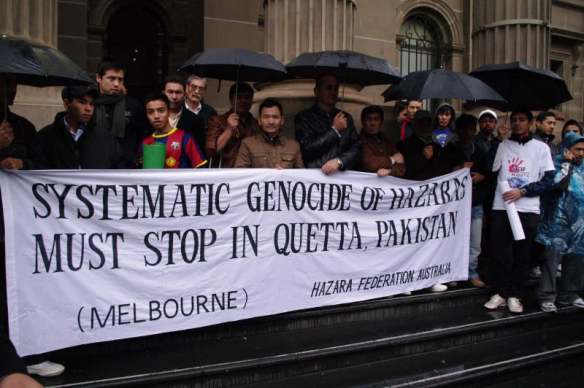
x=136, y=38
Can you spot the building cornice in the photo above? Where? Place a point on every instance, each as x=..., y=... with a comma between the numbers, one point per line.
x=568, y=34
x=570, y=3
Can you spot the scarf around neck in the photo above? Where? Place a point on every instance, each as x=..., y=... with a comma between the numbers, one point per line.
x=118, y=122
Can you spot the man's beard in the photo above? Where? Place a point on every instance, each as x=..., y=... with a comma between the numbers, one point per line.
x=175, y=105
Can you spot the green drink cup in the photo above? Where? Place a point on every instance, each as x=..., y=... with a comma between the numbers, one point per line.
x=154, y=155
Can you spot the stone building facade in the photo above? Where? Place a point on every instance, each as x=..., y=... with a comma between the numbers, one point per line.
x=154, y=36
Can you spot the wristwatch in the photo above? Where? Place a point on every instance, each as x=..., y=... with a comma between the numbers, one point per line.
x=340, y=164
x=523, y=192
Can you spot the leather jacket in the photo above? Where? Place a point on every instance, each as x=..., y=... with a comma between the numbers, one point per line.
x=320, y=142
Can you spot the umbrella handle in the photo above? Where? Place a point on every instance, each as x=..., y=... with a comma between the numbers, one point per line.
x=236, y=90
x=4, y=84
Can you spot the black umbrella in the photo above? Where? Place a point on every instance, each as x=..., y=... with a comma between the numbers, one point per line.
x=348, y=66
x=235, y=64
x=439, y=83
x=525, y=86
x=34, y=64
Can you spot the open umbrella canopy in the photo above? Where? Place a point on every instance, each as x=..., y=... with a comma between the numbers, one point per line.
x=348, y=66
x=525, y=86
x=235, y=64
x=439, y=83
x=34, y=64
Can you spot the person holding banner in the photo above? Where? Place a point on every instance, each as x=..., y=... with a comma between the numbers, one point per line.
x=269, y=148
x=426, y=159
x=326, y=134
x=67, y=143
x=524, y=165
x=378, y=155
x=181, y=149
x=225, y=132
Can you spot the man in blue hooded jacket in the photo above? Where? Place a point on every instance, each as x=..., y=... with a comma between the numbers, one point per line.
x=562, y=228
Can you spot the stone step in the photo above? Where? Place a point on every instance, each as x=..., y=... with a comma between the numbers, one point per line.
x=540, y=357
x=316, y=341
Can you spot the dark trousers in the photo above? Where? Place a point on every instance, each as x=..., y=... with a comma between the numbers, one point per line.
x=547, y=290
x=572, y=280
x=512, y=258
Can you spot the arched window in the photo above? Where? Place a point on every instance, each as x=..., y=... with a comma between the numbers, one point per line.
x=420, y=44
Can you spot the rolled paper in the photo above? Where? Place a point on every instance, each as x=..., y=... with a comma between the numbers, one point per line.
x=154, y=155
x=512, y=213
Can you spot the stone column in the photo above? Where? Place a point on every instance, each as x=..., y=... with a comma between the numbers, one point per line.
x=297, y=26
x=293, y=27
x=507, y=31
x=35, y=20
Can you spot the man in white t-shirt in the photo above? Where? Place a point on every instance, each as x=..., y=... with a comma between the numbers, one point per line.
x=526, y=165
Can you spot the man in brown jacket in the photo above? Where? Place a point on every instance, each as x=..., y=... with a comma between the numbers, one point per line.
x=268, y=148
x=377, y=153
x=225, y=132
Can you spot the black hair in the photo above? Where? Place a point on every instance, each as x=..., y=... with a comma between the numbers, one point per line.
x=371, y=109
x=270, y=103
x=572, y=122
x=465, y=120
x=544, y=115
x=523, y=110
x=242, y=88
x=320, y=77
x=109, y=65
x=157, y=96
x=400, y=106
x=442, y=109
x=173, y=79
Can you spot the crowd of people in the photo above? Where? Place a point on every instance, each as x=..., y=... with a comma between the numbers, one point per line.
x=103, y=128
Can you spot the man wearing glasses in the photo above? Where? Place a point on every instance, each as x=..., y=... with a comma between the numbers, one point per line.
x=196, y=88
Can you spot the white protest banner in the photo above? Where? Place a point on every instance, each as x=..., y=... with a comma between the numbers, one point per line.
x=103, y=255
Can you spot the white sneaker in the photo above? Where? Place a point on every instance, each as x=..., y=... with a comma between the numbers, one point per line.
x=45, y=369
x=579, y=302
x=439, y=287
x=535, y=273
x=495, y=302
x=548, y=307
x=514, y=305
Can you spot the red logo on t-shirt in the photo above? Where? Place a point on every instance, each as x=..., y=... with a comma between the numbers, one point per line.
x=516, y=165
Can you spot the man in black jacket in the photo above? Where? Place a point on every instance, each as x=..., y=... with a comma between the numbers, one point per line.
x=424, y=158
x=327, y=135
x=23, y=129
x=475, y=158
x=118, y=115
x=68, y=143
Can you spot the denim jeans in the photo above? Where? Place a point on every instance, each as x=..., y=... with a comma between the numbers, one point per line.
x=476, y=231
